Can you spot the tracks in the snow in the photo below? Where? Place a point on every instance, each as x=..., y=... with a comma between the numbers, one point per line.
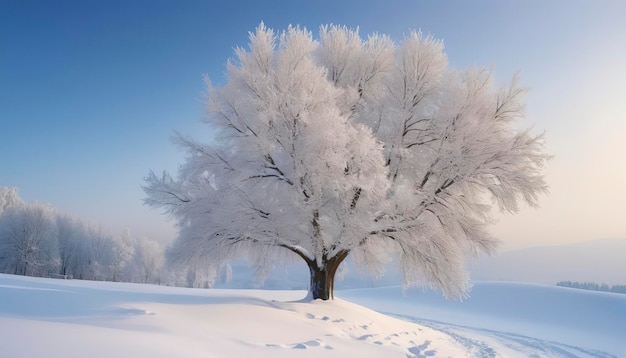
x=486, y=343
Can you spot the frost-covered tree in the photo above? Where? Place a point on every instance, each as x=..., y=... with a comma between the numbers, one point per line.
x=70, y=234
x=122, y=253
x=9, y=197
x=344, y=145
x=28, y=241
x=147, y=261
x=99, y=250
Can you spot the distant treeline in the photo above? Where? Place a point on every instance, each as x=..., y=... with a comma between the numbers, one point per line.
x=38, y=240
x=592, y=286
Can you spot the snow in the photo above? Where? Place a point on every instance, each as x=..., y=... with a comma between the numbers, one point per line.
x=536, y=319
x=72, y=318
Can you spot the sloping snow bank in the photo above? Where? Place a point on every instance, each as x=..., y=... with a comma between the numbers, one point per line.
x=56, y=318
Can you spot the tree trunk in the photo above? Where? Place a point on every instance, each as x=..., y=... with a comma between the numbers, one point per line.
x=323, y=276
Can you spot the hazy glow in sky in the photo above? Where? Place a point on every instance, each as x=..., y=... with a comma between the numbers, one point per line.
x=91, y=91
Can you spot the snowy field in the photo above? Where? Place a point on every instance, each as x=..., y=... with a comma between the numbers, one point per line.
x=57, y=318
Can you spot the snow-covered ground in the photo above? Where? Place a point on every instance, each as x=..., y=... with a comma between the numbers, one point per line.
x=57, y=318
x=514, y=319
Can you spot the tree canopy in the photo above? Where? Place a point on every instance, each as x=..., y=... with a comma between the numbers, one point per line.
x=349, y=146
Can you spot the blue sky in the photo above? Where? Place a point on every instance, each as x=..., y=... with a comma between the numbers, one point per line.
x=90, y=92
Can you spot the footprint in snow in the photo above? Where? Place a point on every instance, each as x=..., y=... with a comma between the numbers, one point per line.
x=421, y=350
x=301, y=345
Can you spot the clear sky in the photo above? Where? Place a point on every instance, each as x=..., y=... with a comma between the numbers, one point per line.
x=90, y=92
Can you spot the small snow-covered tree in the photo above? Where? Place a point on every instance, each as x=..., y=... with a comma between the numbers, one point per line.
x=9, y=197
x=99, y=250
x=147, y=261
x=351, y=146
x=122, y=253
x=70, y=233
x=28, y=241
